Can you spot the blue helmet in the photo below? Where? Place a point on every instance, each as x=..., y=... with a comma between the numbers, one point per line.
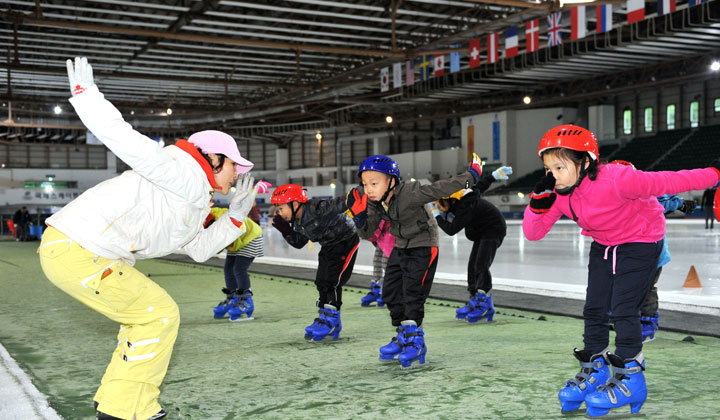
x=380, y=163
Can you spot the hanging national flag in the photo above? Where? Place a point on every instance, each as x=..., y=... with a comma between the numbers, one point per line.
x=666, y=6
x=603, y=14
x=384, y=79
x=397, y=75
x=511, y=42
x=492, y=47
x=439, y=65
x=554, y=27
x=455, y=60
x=474, y=52
x=578, y=23
x=696, y=2
x=425, y=63
x=409, y=73
x=635, y=10
x=532, y=35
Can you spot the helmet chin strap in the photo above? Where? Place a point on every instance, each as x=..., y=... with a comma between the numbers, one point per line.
x=384, y=197
x=583, y=173
x=294, y=212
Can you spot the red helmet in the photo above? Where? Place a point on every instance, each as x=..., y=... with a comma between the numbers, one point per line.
x=287, y=193
x=571, y=137
x=622, y=162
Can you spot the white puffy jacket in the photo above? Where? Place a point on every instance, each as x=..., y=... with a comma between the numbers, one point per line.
x=153, y=210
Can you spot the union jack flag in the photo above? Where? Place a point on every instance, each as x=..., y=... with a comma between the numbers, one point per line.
x=554, y=27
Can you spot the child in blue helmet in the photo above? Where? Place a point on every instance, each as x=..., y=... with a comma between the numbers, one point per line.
x=411, y=267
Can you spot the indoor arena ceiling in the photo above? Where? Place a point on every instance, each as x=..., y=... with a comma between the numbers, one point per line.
x=272, y=69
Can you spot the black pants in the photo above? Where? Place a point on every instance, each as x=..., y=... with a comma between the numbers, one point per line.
x=409, y=276
x=335, y=265
x=481, y=258
x=709, y=216
x=236, y=272
x=618, y=280
x=650, y=305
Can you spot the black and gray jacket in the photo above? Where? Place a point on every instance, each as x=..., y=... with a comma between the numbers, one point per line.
x=323, y=222
x=411, y=222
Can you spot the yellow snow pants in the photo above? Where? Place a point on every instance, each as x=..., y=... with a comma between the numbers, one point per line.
x=148, y=317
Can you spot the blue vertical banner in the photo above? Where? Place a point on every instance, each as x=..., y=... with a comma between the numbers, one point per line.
x=496, y=139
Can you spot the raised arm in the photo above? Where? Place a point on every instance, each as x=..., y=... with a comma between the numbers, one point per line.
x=141, y=153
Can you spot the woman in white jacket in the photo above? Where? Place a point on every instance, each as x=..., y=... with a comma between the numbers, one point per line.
x=158, y=207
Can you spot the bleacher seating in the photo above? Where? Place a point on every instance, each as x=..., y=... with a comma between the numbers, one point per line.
x=643, y=151
x=698, y=151
x=606, y=150
x=524, y=184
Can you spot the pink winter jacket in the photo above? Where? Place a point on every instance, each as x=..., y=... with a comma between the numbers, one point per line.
x=383, y=239
x=620, y=206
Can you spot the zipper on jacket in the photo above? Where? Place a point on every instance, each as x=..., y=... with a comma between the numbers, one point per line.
x=575, y=218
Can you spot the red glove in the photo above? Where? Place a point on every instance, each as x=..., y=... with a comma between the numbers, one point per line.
x=475, y=167
x=357, y=207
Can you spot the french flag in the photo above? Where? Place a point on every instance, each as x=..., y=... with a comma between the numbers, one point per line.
x=666, y=6
x=492, y=47
x=696, y=2
x=604, y=17
x=635, y=10
x=511, y=42
x=578, y=23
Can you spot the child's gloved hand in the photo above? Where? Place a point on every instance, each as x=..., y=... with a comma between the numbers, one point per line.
x=543, y=196
x=501, y=173
x=475, y=167
x=243, y=199
x=688, y=206
x=281, y=225
x=263, y=186
x=434, y=209
x=80, y=76
x=357, y=207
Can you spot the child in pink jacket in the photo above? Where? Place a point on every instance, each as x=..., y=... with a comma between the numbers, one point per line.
x=384, y=243
x=618, y=208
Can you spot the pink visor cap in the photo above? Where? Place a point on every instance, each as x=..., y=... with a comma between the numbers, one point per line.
x=212, y=141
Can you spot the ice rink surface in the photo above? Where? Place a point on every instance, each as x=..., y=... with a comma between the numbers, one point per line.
x=555, y=265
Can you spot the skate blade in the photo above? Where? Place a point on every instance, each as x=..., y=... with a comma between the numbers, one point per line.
x=414, y=365
x=613, y=416
x=576, y=411
x=242, y=319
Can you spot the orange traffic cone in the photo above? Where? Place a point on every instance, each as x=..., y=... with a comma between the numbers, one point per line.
x=692, y=279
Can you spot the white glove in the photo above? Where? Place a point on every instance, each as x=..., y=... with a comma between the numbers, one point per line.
x=81, y=77
x=243, y=199
x=502, y=173
x=434, y=209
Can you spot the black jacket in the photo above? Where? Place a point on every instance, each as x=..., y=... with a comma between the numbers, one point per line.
x=411, y=222
x=323, y=222
x=480, y=218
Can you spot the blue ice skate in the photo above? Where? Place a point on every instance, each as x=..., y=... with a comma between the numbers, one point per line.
x=310, y=329
x=625, y=387
x=649, y=326
x=593, y=373
x=244, y=306
x=380, y=302
x=414, y=349
x=223, y=307
x=372, y=296
x=329, y=324
x=483, y=308
x=389, y=351
x=462, y=313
